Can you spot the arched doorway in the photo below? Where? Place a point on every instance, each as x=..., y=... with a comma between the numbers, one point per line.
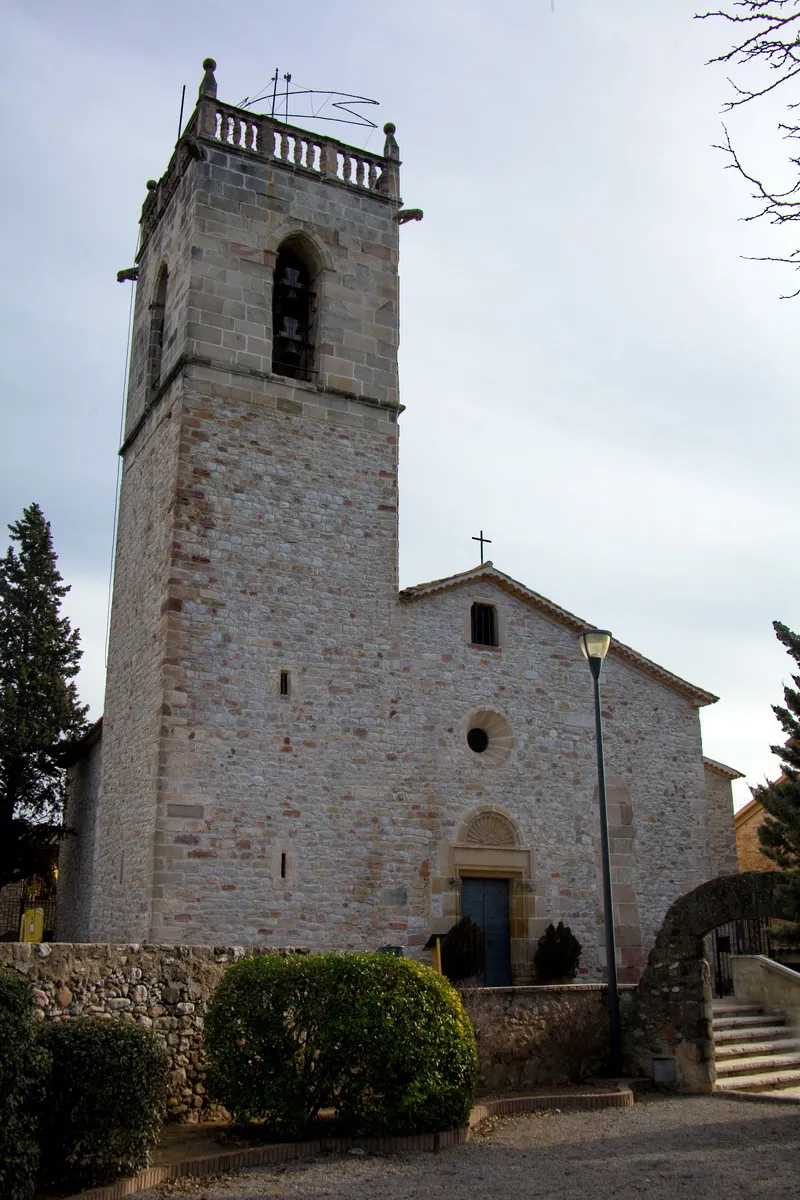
x=673, y=1017
x=486, y=874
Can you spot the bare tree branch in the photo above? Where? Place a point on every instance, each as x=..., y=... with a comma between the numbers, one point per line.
x=767, y=33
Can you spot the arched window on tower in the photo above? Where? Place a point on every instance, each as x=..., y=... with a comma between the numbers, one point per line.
x=292, y=316
x=156, y=344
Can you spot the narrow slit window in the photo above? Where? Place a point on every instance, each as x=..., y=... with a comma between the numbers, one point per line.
x=283, y=865
x=484, y=625
x=284, y=686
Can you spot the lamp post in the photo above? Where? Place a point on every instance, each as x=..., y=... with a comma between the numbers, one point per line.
x=594, y=645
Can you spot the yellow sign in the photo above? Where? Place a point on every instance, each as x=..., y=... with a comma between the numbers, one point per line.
x=31, y=927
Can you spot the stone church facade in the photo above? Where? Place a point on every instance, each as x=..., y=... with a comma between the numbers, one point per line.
x=292, y=750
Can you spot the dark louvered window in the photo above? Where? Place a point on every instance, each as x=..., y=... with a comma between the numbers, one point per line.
x=484, y=625
x=292, y=300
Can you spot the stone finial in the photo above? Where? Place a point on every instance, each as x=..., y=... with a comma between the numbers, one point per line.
x=151, y=197
x=208, y=87
x=390, y=147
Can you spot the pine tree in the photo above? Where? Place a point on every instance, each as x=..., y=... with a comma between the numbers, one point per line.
x=39, y=709
x=780, y=833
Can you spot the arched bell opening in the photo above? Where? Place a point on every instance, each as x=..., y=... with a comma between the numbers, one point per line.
x=293, y=312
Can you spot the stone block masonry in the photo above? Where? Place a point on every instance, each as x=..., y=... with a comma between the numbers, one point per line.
x=165, y=989
x=508, y=1022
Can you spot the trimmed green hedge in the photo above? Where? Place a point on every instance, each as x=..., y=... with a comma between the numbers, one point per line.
x=105, y=1104
x=23, y=1069
x=382, y=1041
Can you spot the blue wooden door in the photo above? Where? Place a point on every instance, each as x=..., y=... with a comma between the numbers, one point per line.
x=485, y=901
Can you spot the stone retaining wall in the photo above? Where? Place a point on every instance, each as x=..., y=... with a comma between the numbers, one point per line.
x=510, y=1023
x=163, y=988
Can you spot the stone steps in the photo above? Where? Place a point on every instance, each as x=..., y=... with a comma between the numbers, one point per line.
x=768, y=1049
x=753, y=1022
x=726, y=1037
x=769, y=1081
x=754, y=1051
x=753, y=1064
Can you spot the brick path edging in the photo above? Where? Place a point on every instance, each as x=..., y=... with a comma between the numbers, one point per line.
x=256, y=1156
x=623, y=1098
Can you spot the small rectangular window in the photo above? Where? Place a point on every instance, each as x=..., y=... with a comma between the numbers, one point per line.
x=284, y=683
x=283, y=866
x=484, y=625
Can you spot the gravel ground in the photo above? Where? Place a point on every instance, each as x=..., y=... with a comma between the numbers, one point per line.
x=664, y=1149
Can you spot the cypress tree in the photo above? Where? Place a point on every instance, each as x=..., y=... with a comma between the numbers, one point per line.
x=780, y=833
x=39, y=709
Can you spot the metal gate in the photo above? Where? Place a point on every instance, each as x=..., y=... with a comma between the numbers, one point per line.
x=738, y=937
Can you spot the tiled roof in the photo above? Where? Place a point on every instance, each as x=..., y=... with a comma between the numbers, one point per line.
x=718, y=768
x=753, y=808
x=489, y=573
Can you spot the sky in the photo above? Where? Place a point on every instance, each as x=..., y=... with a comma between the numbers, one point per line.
x=593, y=372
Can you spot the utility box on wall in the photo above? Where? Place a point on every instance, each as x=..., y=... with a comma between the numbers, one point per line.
x=665, y=1070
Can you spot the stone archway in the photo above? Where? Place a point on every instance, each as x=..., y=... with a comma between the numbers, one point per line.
x=673, y=1017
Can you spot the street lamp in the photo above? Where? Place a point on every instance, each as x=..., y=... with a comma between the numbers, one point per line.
x=594, y=645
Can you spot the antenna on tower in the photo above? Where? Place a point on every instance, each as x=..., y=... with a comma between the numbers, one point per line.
x=180, y=118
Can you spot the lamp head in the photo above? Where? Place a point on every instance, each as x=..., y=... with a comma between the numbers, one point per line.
x=594, y=645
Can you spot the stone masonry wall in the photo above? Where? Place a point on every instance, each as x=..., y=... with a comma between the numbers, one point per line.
x=284, y=559
x=125, y=830
x=510, y=1022
x=721, y=831
x=244, y=209
x=170, y=246
x=126, y=816
x=748, y=846
x=76, y=852
x=162, y=988
x=539, y=683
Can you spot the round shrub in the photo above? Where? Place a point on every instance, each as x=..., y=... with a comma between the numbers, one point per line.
x=23, y=1069
x=557, y=954
x=105, y=1104
x=463, y=953
x=382, y=1041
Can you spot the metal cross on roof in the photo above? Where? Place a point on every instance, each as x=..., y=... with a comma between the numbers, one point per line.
x=482, y=539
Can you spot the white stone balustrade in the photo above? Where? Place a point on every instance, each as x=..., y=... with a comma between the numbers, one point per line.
x=295, y=147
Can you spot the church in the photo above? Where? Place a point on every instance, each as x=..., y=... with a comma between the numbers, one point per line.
x=294, y=751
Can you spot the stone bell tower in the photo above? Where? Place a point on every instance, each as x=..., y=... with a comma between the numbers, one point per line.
x=256, y=573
